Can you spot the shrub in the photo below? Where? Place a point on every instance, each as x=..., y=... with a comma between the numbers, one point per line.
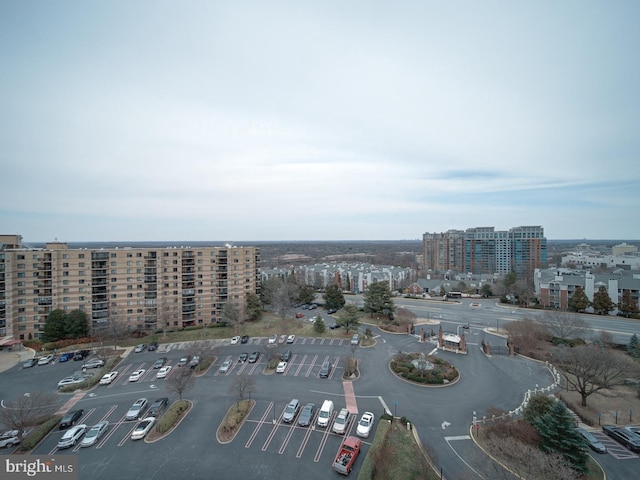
x=38, y=433
x=170, y=417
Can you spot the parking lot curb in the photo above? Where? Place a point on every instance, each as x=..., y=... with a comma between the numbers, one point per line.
x=163, y=435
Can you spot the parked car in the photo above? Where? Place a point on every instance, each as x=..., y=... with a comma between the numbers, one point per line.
x=94, y=363
x=65, y=357
x=341, y=421
x=140, y=348
x=143, y=428
x=137, y=375
x=325, y=369
x=195, y=361
x=333, y=325
x=153, y=346
x=291, y=411
x=625, y=437
x=81, y=355
x=30, y=363
x=45, y=360
x=365, y=424
x=273, y=339
x=70, y=381
x=107, y=378
x=160, y=362
x=244, y=339
x=184, y=360
x=332, y=311
x=291, y=338
x=137, y=409
x=226, y=365
x=9, y=439
x=306, y=415
x=355, y=340
x=282, y=366
x=163, y=372
x=594, y=443
x=299, y=315
x=158, y=407
x=282, y=339
x=70, y=418
x=235, y=340
x=71, y=436
x=243, y=357
x=286, y=355
x=94, y=434
x=254, y=357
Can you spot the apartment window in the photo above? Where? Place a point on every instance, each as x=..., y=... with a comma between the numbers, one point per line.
x=81, y=255
x=81, y=308
x=22, y=284
x=36, y=326
x=129, y=287
x=129, y=263
x=65, y=265
x=114, y=287
x=20, y=257
x=113, y=255
x=139, y=262
x=129, y=255
x=129, y=271
x=81, y=298
x=81, y=281
x=81, y=290
x=81, y=273
x=114, y=295
x=22, y=319
x=21, y=301
x=22, y=327
x=21, y=292
x=65, y=290
x=65, y=255
x=139, y=294
x=129, y=295
x=65, y=299
x=65, y=274
x=114, y=280
x=35, y=265
x=22, y=310
x=114, y=264
x=21, y=275
x=165, y=254
x=65, y=282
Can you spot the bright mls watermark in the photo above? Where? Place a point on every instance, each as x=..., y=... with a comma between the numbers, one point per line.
x=51, y=467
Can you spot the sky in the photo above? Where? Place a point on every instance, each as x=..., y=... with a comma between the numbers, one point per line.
x=334, y=120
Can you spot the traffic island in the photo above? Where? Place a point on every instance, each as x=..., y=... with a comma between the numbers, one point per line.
x=233, y=420
x=423, y=369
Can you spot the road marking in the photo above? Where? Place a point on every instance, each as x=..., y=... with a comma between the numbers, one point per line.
x=445, y=424
x=384, y=405
x=459, y=437
x=464, y=461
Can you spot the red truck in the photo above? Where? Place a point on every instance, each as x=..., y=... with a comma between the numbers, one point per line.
x=347, y=455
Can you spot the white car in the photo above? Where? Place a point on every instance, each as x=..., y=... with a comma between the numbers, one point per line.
x=226, y=365
x=45, y=360
x=282, y=366
x=291, y=338
x=94, y=434
x=137, y=375
x=365, y=424
x=273, y=339
x=235, y=340
x=9, y=439
x=71, y=436
x=143, y=428
x=107, y=378
x=163, y=372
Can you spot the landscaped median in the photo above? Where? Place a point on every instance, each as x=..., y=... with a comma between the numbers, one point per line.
x=170, y=420
x=394, y=453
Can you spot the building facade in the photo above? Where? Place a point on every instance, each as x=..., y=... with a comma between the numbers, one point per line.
x=143, y=288
x=483, y=250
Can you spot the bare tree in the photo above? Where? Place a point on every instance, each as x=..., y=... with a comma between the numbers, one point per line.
x=565, y=325
x=589, y=369
x=230, y=315
x=242, y=386
x=527, y=334
x=168, y=315
x=28, y=410
x=180, y=381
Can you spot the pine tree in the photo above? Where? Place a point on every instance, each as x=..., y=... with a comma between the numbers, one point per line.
x=633, y=348
x=578, y=301
x=602, y=303
x=558, y=433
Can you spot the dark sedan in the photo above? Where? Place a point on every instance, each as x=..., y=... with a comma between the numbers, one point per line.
x=306, y=416
x=70, y=418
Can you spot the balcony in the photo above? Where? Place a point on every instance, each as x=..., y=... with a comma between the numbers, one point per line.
x=99, y=282
x=188, y=309
x=45, y=301
x=189, y=292
x=97, y=307
x=98, y=273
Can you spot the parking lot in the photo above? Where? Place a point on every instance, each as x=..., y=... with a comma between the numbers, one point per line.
x=265, y=438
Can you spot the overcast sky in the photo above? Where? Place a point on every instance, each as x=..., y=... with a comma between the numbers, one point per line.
x=325, y=120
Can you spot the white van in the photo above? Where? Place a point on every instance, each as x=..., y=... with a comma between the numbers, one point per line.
x=324, y=416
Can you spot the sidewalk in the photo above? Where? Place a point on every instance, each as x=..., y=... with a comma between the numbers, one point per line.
x=15, y=356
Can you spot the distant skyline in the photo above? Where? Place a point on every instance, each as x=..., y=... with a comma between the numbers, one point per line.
x=364, y=120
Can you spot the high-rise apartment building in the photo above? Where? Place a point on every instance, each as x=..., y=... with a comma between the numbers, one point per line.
x=142, y=288
x=485, y=250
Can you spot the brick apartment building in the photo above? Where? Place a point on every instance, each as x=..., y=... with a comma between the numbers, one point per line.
x=144, y=288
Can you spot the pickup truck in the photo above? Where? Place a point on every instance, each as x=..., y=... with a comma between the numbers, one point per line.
x=347, y=455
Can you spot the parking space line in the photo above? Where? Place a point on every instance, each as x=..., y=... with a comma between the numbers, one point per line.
x=325, y=436
x=261, y=422
x=273, y=433
x=311, y=365
x=305, y=440
x=335, y=366
x=300, y=366
x=283, y=447
x=111, y=431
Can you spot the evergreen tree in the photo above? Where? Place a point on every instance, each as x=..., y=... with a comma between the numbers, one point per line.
x=333, y=297
x=628, y=306
x=578, y=301
x=539, y=405
x=602, y=303
x=633, y=348
x=76, y=324
x=349, y=317
x=253, y=307
x=54, y=326
x=486, y=291
x=558, y=433
x=318, y=325
x=377, y=299
x=306, y=294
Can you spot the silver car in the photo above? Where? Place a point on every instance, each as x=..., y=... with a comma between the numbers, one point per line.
x=94, y=434
x=291, y=411
x=136, y=410
x=71, y=436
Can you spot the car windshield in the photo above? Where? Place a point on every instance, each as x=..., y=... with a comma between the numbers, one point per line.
x=92, y=433
x=291, y=409
x=364, y=422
